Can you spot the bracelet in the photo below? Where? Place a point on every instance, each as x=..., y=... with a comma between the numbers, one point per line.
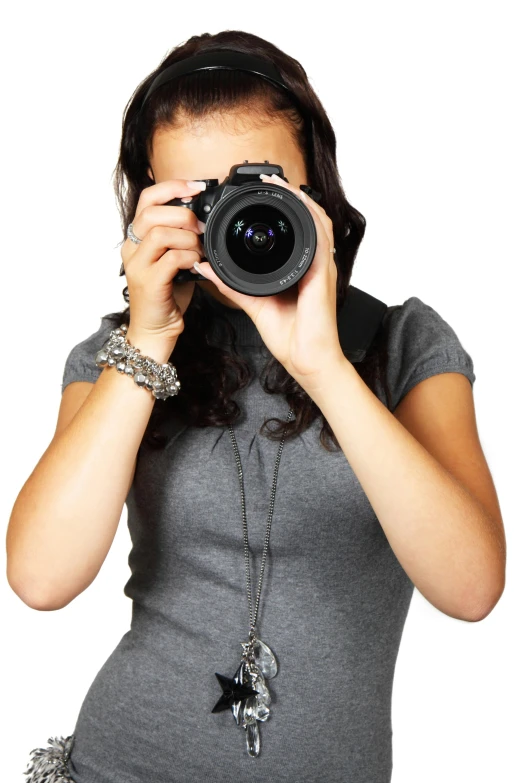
x=160, y=379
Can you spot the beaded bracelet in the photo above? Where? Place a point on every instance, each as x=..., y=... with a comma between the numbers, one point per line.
x=160, y=379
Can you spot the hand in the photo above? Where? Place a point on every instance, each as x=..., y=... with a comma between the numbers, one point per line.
x=169, y=242
x=299, y=325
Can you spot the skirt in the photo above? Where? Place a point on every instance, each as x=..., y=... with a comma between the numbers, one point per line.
x=51, y=764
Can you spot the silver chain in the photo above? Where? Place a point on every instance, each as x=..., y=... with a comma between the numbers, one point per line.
x=253, y=618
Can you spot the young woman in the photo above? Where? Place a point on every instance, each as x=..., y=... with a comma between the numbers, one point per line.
x=381, y=485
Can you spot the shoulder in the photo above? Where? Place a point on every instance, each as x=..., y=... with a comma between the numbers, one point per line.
x=80, y=364
x=421, y=343
x=105, y=325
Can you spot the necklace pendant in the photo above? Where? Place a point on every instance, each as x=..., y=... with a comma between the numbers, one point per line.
x=259, y=662
x=244, y=676
x=262, y=655
x=246, y=693
x=235, y=690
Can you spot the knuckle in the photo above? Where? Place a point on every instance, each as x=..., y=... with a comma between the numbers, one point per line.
x=142, y=202
x=145, y=194
x=147, y=212
x=186, y=219
x=156, y=234
x=191, y=219
x=174, y=254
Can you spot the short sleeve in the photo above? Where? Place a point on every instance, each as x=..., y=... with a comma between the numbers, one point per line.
x=421, y=344
x=80, y=364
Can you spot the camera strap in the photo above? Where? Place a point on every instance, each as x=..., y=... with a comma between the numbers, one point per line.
x=358, y=321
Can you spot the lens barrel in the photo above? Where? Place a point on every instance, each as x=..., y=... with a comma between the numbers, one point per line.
x=260, y=239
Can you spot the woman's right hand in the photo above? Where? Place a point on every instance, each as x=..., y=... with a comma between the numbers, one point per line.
x=170, y=242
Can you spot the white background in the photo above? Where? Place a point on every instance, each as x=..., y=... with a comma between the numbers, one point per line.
x=425, y=101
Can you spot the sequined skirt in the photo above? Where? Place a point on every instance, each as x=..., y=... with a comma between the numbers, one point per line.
x=50, y=765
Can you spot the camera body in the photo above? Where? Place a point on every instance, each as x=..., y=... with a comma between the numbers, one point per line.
x=260, y=238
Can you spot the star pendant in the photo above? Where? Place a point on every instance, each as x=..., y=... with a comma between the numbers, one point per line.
x=233, y=691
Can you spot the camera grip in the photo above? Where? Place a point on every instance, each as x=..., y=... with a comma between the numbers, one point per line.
x=177, y=202
x=184, y=274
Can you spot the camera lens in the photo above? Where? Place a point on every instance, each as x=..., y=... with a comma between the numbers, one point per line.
x=260, y=238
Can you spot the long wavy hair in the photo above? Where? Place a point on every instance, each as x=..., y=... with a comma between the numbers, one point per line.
x=210, y=375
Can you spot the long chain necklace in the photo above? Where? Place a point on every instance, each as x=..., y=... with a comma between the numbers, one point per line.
x=246, y=693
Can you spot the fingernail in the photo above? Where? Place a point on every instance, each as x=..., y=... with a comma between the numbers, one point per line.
x=202, y=226
x=197, y=270
x=197, y=184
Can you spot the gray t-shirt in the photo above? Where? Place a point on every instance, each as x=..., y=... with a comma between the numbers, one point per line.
x=333, y=604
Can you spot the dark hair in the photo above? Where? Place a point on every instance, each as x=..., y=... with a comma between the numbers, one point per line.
x=210, y=375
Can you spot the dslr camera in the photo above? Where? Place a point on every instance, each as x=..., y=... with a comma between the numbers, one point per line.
x=259, y=238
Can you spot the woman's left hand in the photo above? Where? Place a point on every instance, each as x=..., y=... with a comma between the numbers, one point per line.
x=299, y=325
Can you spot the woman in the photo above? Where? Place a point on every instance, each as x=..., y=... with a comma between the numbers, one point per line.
x=382, y=484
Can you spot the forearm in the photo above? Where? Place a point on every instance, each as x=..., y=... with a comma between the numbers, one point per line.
x=441, y=534
x=66, y=515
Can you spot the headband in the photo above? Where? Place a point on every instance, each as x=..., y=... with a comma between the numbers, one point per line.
x=228, y=59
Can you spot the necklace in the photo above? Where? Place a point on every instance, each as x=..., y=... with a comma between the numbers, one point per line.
x=246, y=693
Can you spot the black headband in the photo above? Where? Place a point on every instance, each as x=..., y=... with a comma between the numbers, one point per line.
x=230, y=60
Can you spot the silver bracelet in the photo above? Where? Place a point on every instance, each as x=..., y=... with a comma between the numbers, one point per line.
x=160, y=379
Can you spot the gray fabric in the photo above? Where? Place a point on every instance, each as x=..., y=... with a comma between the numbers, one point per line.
x=333, y=605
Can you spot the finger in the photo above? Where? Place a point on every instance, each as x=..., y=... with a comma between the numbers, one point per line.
x=166, y=215
x=315, y=208
x=172, y=262
x=161, y=192
x=313, y=205
x=157, y=241
x=155, y=196
x=323, y=224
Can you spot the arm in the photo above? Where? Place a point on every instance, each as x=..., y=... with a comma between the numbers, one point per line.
x=424, y=472
x=66, y=515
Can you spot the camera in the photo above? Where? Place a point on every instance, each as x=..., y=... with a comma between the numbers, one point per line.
x=259, y=238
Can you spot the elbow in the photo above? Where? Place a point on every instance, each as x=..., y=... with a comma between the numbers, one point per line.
x=488, y=588
x=41, y=602
x=485, y=605
x=36, y=598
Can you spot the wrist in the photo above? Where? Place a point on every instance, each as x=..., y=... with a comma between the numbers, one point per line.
x=157, y=349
